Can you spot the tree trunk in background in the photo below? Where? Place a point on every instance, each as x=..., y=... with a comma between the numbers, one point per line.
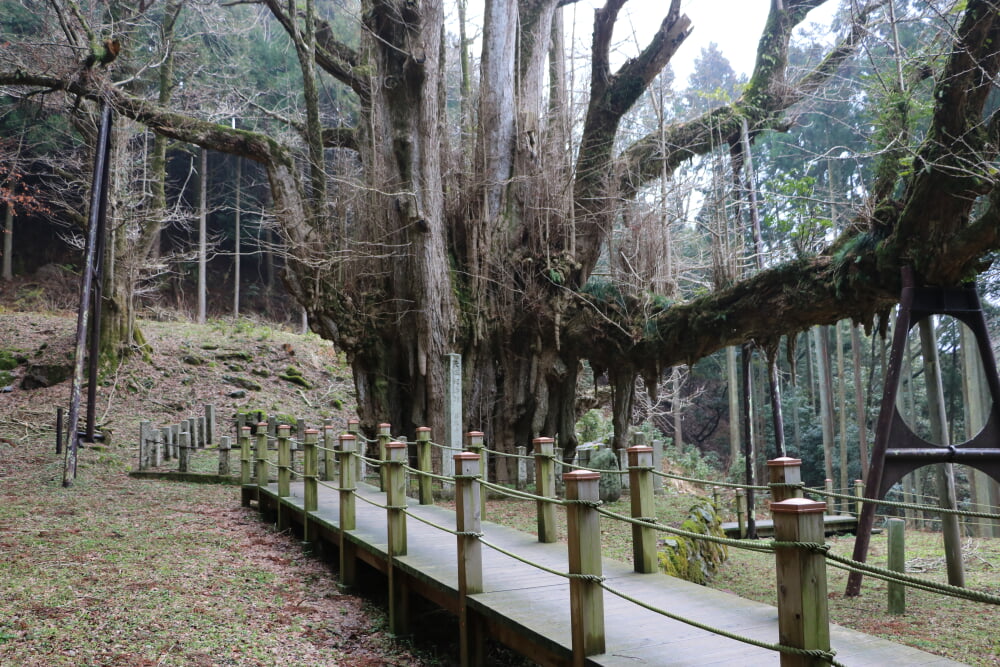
x=732, y=372
x=796, y=395
x=202, y=232
x=749, y=449
x=945, y=471
x=236, y=232
x=976, y=407
x=676, y=408
x=825, y=383
x=845, y=486
x=8, y=243
x=860, y=414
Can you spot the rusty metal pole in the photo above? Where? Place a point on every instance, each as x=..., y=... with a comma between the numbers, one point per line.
x=86, y=283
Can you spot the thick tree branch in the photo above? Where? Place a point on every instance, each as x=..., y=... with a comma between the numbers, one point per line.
x=765, y=99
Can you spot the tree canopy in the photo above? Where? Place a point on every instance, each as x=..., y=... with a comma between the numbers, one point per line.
x=432, y=209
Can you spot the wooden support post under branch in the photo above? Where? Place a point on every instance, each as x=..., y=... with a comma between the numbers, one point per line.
x=326, y=458
x=803, y=620
x=741, y=519
x=640, y=462
x=184, y=447
x=354, y=428
x=348, y=561
x=426, y=489
x=545, y=485
x=395, y=480
x=470, y=556
x=586, y=597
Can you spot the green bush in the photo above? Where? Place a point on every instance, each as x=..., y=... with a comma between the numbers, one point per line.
x=611, y=483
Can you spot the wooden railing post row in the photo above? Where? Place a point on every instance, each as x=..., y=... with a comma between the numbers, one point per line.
x=284, y=460
x=284, y=472
x=348, y=562
x=586, y=597
x=474, y=444
x=395, y=498
x=261, y=455
x=384, y=436
x=245, y=467
x=545, y=486
x=310, y=470
x=644, y=555
x=470, y=555
x=784, y=470
x=426, y=490
x=803, y=619
x=325, y=459
x=354, y=428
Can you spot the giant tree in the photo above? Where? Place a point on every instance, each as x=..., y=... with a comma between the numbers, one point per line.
x=493, y=257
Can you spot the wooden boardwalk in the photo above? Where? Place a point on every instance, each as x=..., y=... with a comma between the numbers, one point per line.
x=528, y=609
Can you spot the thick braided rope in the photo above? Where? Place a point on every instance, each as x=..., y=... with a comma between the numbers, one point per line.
x=523, y=495
x=375, y=463
x=593, y=578
x=574, y=466
x=815, y=653
x=330, y=486
x=440, y=446
x=327, y=449
x=891, y=575
x=708, y=482
x=738, y=544
x=892, y=503
x=450, y=531
x=525, y=457
x=424, y=473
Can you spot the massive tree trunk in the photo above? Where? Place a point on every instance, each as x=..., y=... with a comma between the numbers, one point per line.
x=495, y=263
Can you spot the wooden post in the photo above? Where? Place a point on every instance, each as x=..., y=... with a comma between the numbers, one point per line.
x=897, y=563
x=586, y=598
x=859, y=493
x=384, y=436
x=245, y=473
x=424, y=484
x=545, y=485
x=640, y=462
x=175, y=439
x=284, y=460
x=348, y=561
x=716, y=500
x=474, y=440
x=803, y=620
x=353, y=427
x=261, y=454
x=168, y=443
x=522, y=467
x=326, y=458
x=828, y=487
x=144, y=427
x=157, y=447
x=209, y=424
x=184, y=452
x=470, y=556
x=310, y=468
x=225, y=445
x=784, y=470
x=658, y=467
x=392, y=465
x=741, y=518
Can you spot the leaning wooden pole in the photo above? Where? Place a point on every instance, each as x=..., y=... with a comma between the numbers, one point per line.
x=98, y=192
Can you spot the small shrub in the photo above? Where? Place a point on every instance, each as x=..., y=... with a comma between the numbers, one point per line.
x=611, y=483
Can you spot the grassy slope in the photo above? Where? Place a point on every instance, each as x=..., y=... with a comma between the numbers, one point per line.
x=117, y=571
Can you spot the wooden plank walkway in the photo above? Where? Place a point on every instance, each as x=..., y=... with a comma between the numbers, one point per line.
x=528, y=609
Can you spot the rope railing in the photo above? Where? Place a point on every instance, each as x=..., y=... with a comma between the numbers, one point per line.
x=901, y=505
x=761, y=547
x=523, y=495
x=828, y=656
